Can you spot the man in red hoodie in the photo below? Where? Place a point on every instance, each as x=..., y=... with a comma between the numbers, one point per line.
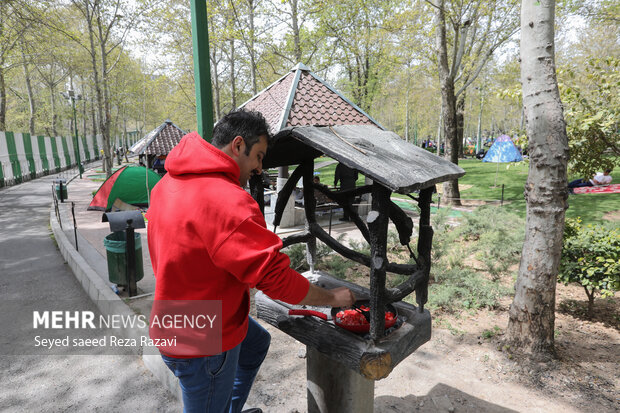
x=208, y=241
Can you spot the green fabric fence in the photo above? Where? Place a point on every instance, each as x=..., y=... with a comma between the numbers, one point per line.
x=24, y=157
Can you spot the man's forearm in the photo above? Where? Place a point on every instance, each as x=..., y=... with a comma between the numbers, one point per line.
x=338, y=297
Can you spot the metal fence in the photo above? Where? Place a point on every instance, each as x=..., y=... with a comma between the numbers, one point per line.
x=24, y=157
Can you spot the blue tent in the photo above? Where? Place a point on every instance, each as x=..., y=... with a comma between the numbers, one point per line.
x=503, y=150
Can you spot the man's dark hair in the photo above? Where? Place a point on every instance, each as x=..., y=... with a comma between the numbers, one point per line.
x=248, y=124
x=607, y=171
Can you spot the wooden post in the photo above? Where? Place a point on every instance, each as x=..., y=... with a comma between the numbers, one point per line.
x=258, y=191
x=334, y=388
x=377, y=220
x=425, y=243
x=310, y=210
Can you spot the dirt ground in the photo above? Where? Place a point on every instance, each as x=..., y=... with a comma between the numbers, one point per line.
x=466, y=368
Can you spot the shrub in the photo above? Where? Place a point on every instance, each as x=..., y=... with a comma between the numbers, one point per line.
x=498, y=237
x=337, y=266
x=358, y=246
x=591, y=258
x=297, y=255
x=463, y=288
x=443, y=236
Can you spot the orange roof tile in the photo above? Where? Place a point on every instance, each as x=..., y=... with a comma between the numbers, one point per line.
x=305, y=100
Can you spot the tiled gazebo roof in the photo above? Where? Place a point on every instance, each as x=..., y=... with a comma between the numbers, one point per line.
x=300, y=98
x=159, y=141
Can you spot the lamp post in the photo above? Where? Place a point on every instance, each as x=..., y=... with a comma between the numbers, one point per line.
x=70, y=95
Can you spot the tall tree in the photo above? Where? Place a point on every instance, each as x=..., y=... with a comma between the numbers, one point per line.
x=300, y=43
x=476, y=30
x=107, y=24
x=359, y=31
x=11, y=30
x=532, y=313
x=52, y=72
x=245, y=14
x=26, y=61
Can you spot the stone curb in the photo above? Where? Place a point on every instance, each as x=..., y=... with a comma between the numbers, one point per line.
x=105, y=300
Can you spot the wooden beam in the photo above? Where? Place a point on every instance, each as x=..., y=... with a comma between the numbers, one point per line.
x=346, y=252
x=310, y=210
x=296, y=239
x=404, y=224
x=258, y=191
x=378, y=219
x=416, y=280
x=425, y=243
x=366, y=356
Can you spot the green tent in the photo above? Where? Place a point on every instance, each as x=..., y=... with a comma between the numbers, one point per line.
x=129, y=184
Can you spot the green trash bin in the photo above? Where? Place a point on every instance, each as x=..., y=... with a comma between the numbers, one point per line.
x=65, y=193
x=116, y=245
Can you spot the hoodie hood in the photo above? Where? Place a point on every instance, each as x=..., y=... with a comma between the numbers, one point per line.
x=194, y=155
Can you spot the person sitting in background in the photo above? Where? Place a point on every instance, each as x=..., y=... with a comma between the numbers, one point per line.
x=319, y=197
x=317, y=180
x=603, y=178
x=159, y=165
x=347, y=177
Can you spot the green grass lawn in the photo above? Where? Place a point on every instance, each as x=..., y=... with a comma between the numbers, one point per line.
x=484, y=181
x=590, y=207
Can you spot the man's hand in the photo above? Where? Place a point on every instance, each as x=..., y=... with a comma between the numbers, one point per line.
x=338, y=297
x=343, y=297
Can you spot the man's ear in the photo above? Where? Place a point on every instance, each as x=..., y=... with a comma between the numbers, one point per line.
x=237, y=145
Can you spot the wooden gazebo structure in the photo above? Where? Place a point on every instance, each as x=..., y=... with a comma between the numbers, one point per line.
x=301, y=98
x=158, y=142
x=342, y=366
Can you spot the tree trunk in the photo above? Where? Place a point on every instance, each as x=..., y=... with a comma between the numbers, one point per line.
x=216, y=83
x=106, y=163
x=233, y=79
x=93, y=118
x=106, y=119
x=295, y=27
x=84, y=111
x=532, y=313
x=460, y=123
x=2, y=99
x=407, y=109
x=448, y=106
x=31, y=104
x=2, y=69
x=590, y=295
x=479, y=138
x=54, y=116
x=252, y=52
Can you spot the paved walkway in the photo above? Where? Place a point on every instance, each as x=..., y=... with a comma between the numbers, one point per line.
x=31, y=270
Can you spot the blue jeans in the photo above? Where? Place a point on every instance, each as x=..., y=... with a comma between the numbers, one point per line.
x=579, y=183
x=221, y=383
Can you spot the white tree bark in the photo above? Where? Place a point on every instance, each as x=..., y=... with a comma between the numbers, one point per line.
x=532, y=313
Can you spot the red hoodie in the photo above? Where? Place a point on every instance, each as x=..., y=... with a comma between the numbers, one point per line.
x=208, y=239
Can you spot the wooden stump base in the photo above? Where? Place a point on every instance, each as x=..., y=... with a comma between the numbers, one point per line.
x=335, y=388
